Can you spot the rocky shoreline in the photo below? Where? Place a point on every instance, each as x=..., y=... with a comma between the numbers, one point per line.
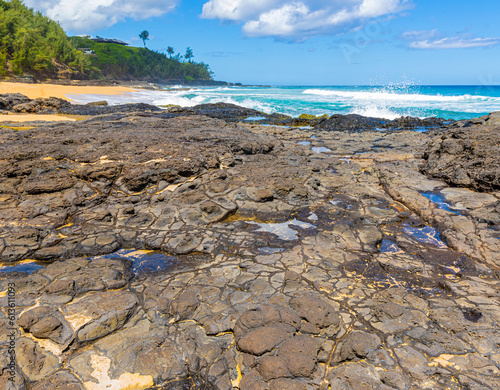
x=217, y=247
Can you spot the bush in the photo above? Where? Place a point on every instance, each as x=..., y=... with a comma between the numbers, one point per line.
x=123, y=62
x=33, y=43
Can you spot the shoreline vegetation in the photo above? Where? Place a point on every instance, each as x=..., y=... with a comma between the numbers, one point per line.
x=36, y=48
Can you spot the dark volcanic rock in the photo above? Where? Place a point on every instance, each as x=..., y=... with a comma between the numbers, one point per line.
x=355, y=123
x=226, y=111
x=107, y=312
x=46, y=323
x=350, y=122
x=263, y=339
x=42, y=106
x=316, y=314
x=75, y=109
x=236, y=256
x=184, y=305
x=9, y=100
x=60, y=380
x=299, y=354
x=81, y=171
x=467, y=157
x=358, y=345
x=33, y=360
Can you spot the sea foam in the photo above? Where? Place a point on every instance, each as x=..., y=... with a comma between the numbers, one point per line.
x=382, y=102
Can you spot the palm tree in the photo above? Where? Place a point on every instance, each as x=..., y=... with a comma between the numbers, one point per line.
x=144, y=36
x=189, y=54
x=170, y=51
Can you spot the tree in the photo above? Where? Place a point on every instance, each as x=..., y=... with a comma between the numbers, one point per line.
x=170, y=51
x=189, y=54
x=144, y=36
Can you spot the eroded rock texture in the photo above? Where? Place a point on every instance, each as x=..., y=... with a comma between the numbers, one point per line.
x=468, y=156
x=178, y=251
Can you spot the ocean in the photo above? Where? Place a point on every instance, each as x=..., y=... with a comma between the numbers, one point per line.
x=389, y=102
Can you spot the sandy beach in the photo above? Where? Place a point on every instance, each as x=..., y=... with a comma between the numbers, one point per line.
x=35, y=117
x=34, y=91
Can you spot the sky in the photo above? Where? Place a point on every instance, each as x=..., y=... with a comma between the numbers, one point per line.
x=307, y=42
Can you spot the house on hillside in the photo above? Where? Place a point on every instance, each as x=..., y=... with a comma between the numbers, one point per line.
x=86, y=50
x=107, y=40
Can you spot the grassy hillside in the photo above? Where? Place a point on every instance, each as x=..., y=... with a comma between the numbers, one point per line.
x=31, y=43
x=34, y=45
x=123, y=62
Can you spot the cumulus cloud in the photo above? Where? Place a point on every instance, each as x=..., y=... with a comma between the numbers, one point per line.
x=86, y=16
x=299, y=19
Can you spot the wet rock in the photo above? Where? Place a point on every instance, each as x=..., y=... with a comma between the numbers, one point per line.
x=351, y=122
x=354, y=122
x=226, y=111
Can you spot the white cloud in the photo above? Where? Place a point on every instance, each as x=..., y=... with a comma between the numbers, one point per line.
x=421, y=35
x=86, y=16
x=236, y=9
x=430, y=41
x=299, y=19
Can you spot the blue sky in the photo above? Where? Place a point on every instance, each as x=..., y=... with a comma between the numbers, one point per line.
x=307, y=42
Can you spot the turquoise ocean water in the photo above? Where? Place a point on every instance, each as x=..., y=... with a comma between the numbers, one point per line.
x=450, y=102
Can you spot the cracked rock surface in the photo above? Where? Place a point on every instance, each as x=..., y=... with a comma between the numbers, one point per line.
x=187, y=252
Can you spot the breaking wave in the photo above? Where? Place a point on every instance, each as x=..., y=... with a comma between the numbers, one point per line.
x=383, y=102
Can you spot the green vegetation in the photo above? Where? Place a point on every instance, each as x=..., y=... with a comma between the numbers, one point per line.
x=34, y=45
x=189, y=54
x=144, y=36
x=124, y=62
